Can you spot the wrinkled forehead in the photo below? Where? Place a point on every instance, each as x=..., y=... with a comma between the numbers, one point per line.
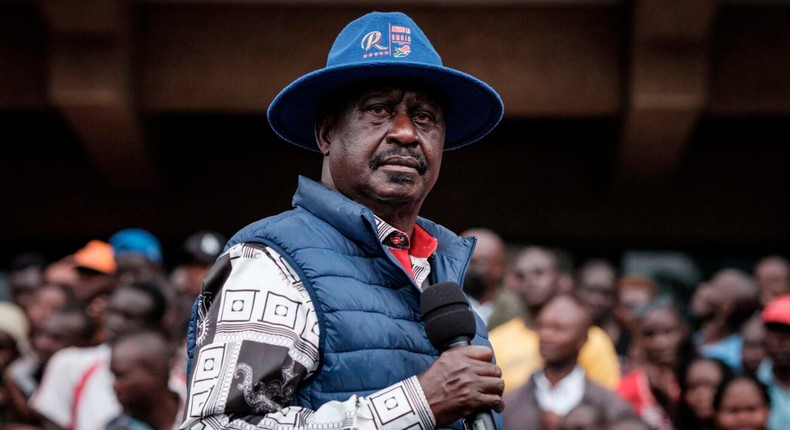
x=338, y=101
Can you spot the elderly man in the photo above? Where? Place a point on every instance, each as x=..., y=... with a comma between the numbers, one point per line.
x=310, y=318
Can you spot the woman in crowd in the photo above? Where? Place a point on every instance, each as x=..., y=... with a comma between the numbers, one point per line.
x=741, y=403
x=698, y=382
x=652, y=386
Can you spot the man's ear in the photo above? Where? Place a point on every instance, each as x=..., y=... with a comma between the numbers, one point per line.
x=323, y=133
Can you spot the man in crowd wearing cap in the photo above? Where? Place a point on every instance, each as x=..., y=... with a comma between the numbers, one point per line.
x=310, y=319
x=138, y=255
x=775, y=373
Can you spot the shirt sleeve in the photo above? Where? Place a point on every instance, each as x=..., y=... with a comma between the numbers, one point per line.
x=257, y=339
x=598, y=358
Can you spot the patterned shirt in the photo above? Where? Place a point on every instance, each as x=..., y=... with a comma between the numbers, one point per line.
x=261, y=341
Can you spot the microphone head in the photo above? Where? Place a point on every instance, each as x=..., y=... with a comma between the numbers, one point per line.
x=446, y=314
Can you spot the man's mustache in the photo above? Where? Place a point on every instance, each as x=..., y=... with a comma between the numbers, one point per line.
x=400, y=151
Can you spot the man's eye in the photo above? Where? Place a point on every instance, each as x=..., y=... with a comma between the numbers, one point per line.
x=378, y=109
x=423, y=118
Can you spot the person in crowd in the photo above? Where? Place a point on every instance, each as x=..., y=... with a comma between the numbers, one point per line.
x=652, y=387
x=775, y=372
x=25, y=275
x=742, y=403
x=96, y=267
x=772, y=274
x=633, y=423
x=62, y=272
x=698, y=382
x=310, y=318
x=76, y=390
x=629, y=424
x=561, y=386
x=138, y=256
x=61, y=328
x=721, y=306
x=753, y=352
x=140, y=364
x=536, y=274
x=584, y=417
x=484, y=280
x=46, y=299
x=633, y=293
x=13, y=343
x=596, y=287
x=200, y=251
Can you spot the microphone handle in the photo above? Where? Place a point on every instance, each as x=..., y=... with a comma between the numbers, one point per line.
x=457, y=342
x=480, y=421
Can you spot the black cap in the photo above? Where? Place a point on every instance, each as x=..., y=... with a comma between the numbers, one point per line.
x=204, y=246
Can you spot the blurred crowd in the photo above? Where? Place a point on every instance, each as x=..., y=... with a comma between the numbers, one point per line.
x=96, y=339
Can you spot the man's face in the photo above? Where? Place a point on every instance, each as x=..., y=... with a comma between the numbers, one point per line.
x=385, y=147
x=598, y=289
x=133, y=379
x=777, y=344
x=60, y=330
x=629, y=300
x=535, y=277
x=128, y=311
x=753, y=352
x=562, y=329
x=705, y=302
x=662, y=333
x=488, y=259
x=773, y=279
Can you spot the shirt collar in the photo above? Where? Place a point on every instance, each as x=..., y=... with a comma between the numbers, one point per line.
x=572, y=381
x=421, y=244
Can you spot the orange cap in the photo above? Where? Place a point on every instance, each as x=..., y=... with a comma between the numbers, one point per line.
x=96, y=255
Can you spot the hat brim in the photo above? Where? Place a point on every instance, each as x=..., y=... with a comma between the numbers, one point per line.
x=474, y=108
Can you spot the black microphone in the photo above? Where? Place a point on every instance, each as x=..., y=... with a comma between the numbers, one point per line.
x=449, y=323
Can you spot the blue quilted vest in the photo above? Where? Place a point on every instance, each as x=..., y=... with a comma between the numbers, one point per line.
x=372, y=335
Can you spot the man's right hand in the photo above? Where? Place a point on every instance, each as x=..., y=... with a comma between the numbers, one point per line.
x=461, y=382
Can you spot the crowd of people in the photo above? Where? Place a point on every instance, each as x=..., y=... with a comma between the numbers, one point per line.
x=97, y=339
x=597, y=348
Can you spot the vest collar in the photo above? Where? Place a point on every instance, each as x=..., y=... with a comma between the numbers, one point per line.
x=358, y=223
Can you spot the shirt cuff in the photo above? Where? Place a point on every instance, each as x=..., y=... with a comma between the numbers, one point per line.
x=399, y=406
x=423, y=408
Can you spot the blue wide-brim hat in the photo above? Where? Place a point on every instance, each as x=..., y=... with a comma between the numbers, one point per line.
x=380, y=46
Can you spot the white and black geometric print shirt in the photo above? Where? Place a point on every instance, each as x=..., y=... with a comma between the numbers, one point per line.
x=260, y=339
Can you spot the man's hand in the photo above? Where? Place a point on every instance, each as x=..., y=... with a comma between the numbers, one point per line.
x=461, y=382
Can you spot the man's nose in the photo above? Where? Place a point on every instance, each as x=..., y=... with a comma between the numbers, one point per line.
x=402, y=130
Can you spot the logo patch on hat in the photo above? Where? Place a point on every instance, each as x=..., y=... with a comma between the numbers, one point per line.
x=399, y=40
